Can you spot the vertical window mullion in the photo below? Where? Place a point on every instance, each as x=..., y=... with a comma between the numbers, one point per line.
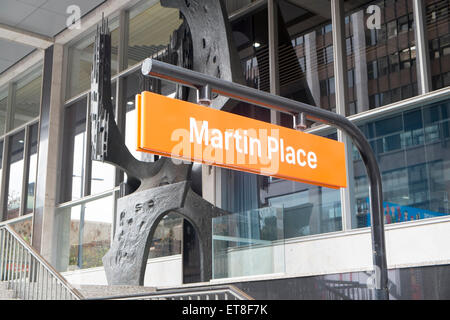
x=9, y=109
x=5, y=178
x=26, y=168
x=120, y=114
x=6, y=148
x=87, y=168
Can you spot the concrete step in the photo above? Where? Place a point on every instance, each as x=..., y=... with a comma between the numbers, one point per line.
x=3, y=285
x=5, y=293
x=97, y=291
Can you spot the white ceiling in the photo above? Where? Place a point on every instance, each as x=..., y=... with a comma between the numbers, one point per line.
x=43, y=17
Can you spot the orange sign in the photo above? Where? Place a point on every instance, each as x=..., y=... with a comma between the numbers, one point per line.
x=187, y=131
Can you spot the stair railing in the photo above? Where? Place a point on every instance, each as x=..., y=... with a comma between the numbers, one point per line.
x=28, y=274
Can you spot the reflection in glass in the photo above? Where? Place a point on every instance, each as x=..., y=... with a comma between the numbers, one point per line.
x=248, y=243
x=150, y=29
x=308, y=212
x=23, y=228
x=15, y=159
x=32, y=169
x=27, y=101
x=412, y=151
x=102, y=177
x=133, y=85
x=80, y=60
x=72, y=177
x=89, y=236
x=309, y=35
x=3, y=107
x=438, y=34
x=168, y=237
x=383, y=59
x=1, y=168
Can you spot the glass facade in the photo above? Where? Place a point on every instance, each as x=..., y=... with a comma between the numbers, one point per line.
x=381, y=61
x=20, y=104
x=27, y=102
x=150, y=30
x=80, y=60
x=15, y=180
x=411, y=145
x=73, y=175
x=85, y=233
x=3, y=108
x=412, y=149
x=248, y=243
x=23, y=228
x=168, y=237
x=438, y=32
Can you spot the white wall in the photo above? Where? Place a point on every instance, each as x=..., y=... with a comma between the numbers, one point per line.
x=407, y=245
x=165, y=271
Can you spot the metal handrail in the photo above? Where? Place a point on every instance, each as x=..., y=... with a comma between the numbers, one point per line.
x=186, y=293
x=208, y=85
x=28, y=274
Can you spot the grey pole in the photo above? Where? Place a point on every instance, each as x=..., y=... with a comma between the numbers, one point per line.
x=162, y=70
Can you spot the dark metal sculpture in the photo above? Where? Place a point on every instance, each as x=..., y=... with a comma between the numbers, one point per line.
x=214, y=51
x=108, y=144
x=155, y=189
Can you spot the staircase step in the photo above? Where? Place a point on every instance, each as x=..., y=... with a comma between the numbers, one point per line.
x=97, y=291
x=3, y=285
x=5, y=293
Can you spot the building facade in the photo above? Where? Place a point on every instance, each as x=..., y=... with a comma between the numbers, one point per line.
x=383, y=64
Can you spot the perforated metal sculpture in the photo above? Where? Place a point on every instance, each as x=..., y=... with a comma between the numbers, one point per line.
x=152, y=190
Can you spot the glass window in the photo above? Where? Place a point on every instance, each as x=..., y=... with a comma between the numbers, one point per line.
x=383, y=66
x=405, y=59
x=393, y=62
x=15, y=160
x=85, y=233
x=23, y=229
x=331, y=85
x=72, y=178
x=103, y=174
x=1, y=164
x=389, y=51
x=80, y=60
x=3, y=108
x=414, y=162
x=248, y=243
x=133, y=84
x=30, y=192
x=350, y=78
x=168, y=237
x=329, y=54
x=392, y=29
x=150, y=29
x=327, y=28
x=27, y=101
x=348, y=46
x=317, y=49
x=372, y=70
x=439, y=41
x=403, y=24
x=102, y=177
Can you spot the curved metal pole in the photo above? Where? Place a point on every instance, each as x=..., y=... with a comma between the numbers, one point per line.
x=239, y=92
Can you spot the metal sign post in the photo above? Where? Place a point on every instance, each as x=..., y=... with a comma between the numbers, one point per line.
x=201, y=82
